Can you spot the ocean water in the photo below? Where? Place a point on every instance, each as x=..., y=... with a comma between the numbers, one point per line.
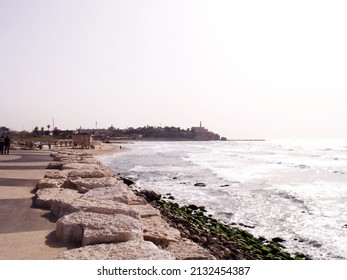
x=296, y=190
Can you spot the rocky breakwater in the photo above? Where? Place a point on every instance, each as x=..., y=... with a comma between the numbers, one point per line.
x=96, y=210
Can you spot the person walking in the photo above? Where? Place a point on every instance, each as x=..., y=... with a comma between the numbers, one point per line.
x=7, y=145
x=2, y=144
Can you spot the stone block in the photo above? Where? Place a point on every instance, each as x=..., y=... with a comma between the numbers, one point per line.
x=94, y=228
x=131, y=250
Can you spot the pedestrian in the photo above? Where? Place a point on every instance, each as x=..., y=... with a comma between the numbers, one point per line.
x=7, y=145
x=2, y=144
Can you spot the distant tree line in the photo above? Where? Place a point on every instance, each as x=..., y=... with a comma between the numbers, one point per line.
x=153, y=132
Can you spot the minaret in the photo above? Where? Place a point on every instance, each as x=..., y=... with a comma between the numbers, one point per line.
x=200, y=124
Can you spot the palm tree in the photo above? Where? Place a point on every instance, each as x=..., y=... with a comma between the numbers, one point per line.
x=36, y=131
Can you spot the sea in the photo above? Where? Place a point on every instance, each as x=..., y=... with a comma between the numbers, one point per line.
x=292, y=189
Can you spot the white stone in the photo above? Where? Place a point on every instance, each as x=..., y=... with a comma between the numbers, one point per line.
x=109, y=207
x=46, y=183
x=83, y=185
x=146, y=210
x=88, y=173
x=185, y=249
x=56, y=174
x=81, y=166
x=131, y=250
x=158, y=231
x=119, y=193
x=44, y=198
x=94, y=228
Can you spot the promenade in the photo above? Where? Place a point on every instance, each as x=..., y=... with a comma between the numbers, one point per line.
x=26, y=233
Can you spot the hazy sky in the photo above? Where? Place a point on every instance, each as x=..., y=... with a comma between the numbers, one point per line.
x=268, y=69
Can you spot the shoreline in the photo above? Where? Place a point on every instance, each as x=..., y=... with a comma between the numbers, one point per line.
x=223, y=241
x=104, y=218
x=163, y=229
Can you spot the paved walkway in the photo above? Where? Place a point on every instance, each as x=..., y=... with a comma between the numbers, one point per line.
x=26, y=233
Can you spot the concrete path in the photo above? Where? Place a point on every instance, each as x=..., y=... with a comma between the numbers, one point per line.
x=26, y=233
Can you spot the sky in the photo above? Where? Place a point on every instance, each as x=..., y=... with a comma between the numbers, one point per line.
x=245, y=69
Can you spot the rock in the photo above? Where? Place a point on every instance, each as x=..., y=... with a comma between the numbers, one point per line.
x=158, y=231
x=55, y=165
x=86, y=173
x=83, y=185
x=146, y=210
x=131, y=250
x=87, y=204
x=277, y=239
x=69, y=184
x=56, y=175
x=127, y=181
x=151, y=195
x=66, y=157
x=44, y=198
x=200, y=185
x=246, y=226
x=81, y=154
x=193, y=207
x=81, y=166
x=117, y=193
x=89, y=161
x=94, y=228
x=184, y=249
x=212, y=240
x=195, y=238
x=46, y=183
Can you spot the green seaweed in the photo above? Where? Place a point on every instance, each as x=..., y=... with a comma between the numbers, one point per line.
x=257, y=248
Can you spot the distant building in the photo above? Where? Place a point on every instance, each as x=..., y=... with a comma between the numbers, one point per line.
x=82, y=140
x=203, y=134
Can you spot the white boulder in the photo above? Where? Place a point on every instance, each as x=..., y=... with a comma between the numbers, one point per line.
x=131, y=250
x=185, y=249
x=118, y=193
x=94, y=228
x=109, y=207
x=158, y=231
x=45, y=198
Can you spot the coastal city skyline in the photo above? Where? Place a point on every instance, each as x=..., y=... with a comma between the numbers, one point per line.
x=246, y=69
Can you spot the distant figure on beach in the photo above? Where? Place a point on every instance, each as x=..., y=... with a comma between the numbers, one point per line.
x=7, y=145
x=2, y=144
x=120, y=147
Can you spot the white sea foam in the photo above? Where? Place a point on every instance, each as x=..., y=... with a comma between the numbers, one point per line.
x=293, y=189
